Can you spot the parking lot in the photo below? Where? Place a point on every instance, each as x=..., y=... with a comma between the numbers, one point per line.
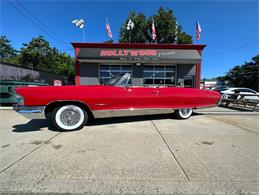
x=213, y=152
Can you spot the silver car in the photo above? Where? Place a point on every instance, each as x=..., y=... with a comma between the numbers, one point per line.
x=246, y=93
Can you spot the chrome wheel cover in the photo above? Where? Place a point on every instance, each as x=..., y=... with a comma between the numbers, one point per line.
x=69, y=117
x=185, y=112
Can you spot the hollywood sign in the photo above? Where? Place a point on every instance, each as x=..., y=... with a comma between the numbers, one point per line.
x=128, y=52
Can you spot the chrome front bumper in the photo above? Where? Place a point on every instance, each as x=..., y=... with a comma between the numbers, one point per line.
x=31, y=112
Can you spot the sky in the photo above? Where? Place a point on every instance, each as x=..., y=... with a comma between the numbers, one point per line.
x=229, y=28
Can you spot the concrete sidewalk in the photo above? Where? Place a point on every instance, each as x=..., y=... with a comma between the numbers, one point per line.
x=206, y=154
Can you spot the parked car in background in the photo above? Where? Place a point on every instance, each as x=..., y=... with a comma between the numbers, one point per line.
x=219, y=88
x=70, y=107
x=7, y=94
x=246, y=93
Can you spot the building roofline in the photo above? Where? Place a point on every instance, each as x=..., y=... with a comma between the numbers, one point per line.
x=138, y=46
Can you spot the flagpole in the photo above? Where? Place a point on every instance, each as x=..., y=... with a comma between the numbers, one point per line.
x=197, y=41
x=80, y=23
x=129, y=36
x=152, y=32
x=130, y=26
x=83, y=31
x=198, y=31
x=106, y=24
x=176, y=33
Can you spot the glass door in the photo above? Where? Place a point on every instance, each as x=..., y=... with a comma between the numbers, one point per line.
x=189, y=81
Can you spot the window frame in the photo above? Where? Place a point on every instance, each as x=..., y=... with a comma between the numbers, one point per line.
x=110, y=70
x=165, y=71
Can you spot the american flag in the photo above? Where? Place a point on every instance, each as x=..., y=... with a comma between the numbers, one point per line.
x=153, y=31
x=198, y=30
x=109, y=32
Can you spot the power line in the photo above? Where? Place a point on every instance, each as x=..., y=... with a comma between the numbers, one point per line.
x=40, y=22
x=21, y=12
x=230, y=50
x=34, y=22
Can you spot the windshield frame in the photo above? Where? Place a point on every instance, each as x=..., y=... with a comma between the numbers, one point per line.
x=119, y=80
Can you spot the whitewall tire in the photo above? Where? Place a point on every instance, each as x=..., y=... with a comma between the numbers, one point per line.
x=184, y=113
x=69, y=117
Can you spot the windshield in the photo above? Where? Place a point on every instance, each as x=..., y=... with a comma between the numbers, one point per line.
x=120, y=80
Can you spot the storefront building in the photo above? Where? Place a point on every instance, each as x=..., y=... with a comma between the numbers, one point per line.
x=149, y=64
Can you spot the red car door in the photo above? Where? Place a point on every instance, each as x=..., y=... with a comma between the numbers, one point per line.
x=134, y=97
x=174, y=97
x=169, y=97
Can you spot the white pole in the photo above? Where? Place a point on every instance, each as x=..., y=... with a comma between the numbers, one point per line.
x=83, y=31
x=129, y=36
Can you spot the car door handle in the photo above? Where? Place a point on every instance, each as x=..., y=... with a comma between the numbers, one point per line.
x=156, y=92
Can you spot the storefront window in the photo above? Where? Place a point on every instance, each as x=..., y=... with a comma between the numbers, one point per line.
x=160, y=75
x=106, y=72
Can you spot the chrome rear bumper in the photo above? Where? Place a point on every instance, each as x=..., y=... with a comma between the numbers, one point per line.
x=31, y=112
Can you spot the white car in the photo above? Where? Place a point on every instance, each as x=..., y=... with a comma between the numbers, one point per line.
x=227, y=94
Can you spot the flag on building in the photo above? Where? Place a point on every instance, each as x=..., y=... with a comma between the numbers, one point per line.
x=109, y=32
x=130, y=25
x=198, y=31
x=79, y=23
x=176, y=32
x=153, y=31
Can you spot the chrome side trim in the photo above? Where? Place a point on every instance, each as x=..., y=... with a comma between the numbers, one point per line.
x=31, y=112
x=130, y=112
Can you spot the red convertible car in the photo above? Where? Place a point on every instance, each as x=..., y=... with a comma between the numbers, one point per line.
x=70, y=107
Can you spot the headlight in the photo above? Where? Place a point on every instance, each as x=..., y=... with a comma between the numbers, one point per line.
x=19, y=100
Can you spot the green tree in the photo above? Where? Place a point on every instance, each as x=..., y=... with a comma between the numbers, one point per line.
x=7, y=52
x=65, y=65
x=245, y=75
x=138, y=33
x=165, y=25
x=38, y=54
x=183, y=38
